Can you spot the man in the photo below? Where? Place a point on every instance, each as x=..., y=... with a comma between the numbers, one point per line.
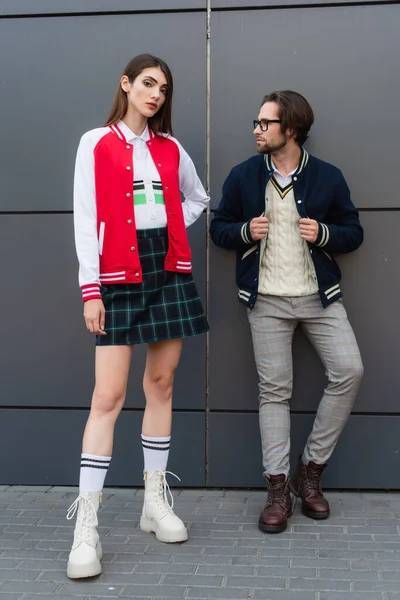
x=285, y=213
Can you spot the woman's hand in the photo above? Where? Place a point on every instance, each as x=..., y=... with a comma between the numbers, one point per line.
x=94, y=314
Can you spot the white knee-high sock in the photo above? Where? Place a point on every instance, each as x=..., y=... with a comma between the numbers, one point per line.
x=93, y=472
x=155, y=452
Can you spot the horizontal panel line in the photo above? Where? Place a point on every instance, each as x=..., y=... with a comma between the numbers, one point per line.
x=103, y=13
x=195, y=10
x=81, y=408
x=212, y=210
x=304, y=412
x=36, y=212
x=303, y=5
x=383, y=209
x=47, y=212
x=191, y=410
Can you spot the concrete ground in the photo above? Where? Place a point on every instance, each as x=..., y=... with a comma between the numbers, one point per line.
x=355, y=555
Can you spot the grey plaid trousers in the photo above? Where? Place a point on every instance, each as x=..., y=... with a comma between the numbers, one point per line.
x=273, y=321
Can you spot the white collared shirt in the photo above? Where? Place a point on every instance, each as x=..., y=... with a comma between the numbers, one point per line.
x=148, y=195
x=283, y=180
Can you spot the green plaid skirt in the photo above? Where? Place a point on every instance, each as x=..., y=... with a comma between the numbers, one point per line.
x=166, y=305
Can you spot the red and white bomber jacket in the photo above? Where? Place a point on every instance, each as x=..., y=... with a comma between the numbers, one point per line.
x=104, y=209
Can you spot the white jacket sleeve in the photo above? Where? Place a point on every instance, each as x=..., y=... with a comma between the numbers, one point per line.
x=195, y=197
x=85, y=220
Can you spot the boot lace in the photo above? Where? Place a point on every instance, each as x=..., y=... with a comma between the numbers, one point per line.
x=277, y=494
x=85, y=521
x=312, y=480
x=163, y=490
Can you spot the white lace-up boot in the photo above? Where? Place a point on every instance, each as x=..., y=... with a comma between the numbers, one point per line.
x=157, y=515
x=86, y=553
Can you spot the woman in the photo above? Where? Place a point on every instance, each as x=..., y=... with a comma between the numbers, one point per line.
x=137, y=287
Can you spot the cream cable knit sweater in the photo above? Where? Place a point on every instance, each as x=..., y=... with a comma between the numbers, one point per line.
x=286, y=267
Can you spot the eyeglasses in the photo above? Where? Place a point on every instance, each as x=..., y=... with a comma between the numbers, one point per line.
x=263, y=124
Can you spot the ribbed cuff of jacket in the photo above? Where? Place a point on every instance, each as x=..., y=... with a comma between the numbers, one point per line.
x=245, y=233
x=323, y=235
x=91, y=291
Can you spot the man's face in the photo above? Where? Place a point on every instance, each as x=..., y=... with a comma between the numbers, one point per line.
x=273, y=139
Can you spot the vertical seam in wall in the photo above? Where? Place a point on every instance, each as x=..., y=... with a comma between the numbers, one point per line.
x=208, y=45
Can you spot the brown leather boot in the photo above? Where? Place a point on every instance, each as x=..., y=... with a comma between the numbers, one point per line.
x=278, y=508
x=307, y=484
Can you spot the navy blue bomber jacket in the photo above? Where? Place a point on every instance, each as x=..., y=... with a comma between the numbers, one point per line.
x=320, y=192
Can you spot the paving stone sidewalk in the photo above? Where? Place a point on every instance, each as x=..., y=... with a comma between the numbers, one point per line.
x=355, y=555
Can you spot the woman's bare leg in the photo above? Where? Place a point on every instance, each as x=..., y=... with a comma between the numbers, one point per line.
x=112, y=370
x=162, y=361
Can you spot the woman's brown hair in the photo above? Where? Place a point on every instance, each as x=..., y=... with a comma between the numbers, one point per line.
x=161, y=122
x=294, y=112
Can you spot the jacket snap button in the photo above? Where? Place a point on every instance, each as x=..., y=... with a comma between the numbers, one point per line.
x=128, y=195
x=132, y=247
x=137, y=274
x=128, y=168
x=127, y=147
x=129, y=221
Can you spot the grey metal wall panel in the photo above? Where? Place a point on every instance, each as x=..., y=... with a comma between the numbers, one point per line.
x=50, y=355
x=371, y=286
x=235, y=459
x=26, y=7
x=272, y=4
x=215, y=4
x=42, y=447
x=67, y=87
x=329, y=55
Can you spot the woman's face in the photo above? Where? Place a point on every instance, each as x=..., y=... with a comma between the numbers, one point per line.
x=147, y=93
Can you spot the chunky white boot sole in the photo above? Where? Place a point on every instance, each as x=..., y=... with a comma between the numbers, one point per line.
x=168, y=537
x=81, y=571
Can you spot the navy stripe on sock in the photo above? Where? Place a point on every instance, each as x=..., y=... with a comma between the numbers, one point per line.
x=154, y=447
x=94, y=460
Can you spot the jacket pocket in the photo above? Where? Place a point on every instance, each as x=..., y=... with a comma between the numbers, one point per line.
x=249, y=251
x=101, y=237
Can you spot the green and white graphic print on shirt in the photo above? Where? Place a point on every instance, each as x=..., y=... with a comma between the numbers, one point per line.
x=140, y=196
x=148, y=196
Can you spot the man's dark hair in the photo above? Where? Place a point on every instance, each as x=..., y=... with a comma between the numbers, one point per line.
x=295, y=113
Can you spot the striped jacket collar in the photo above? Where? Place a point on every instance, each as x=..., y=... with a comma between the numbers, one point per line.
x=125, y=134
x=302, y=163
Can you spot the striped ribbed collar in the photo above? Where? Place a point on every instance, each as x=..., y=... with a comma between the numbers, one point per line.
x=123, y=132
x=302, y=163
